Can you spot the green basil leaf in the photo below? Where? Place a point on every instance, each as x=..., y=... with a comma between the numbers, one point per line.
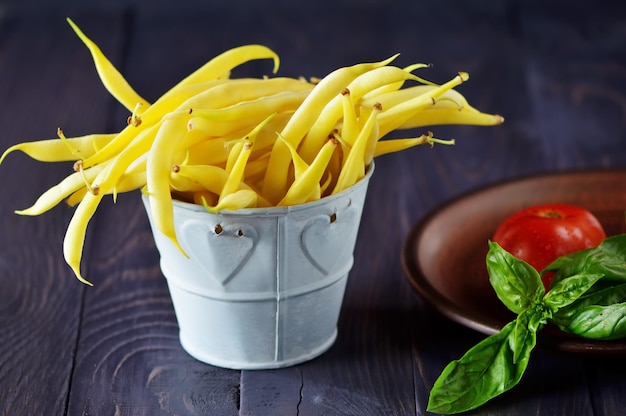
x=599, y=322
x=568, y=290
x=525, y=332
x=516, y=283
x=609, y=259
x=601, y=294
x=485, y=371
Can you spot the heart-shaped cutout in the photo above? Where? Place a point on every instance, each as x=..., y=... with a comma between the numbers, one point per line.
x=221, y=250
x=328, y=239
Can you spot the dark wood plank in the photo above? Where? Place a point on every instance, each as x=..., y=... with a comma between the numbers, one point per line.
x=574, y=68
x=42, y=88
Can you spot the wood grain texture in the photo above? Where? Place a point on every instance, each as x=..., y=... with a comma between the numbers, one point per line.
x=40, y=302
x=554, y=70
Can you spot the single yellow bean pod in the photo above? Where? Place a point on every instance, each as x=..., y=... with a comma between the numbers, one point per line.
x=61, y=150
x=227, y=93
x=243, y=198
x=158, y=167
x=225, y=62
x=433, y=117
x=349, y=125
x=75, y=235
x=384, y=147
x=113, y=81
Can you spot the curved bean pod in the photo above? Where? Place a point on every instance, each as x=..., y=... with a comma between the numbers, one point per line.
x=61, y=150
x=77, y=229
x=434, y=116
x=225, y=62
x=158, y=167
x=226, y=94
x=243, y=198
x=384, y=147
x=113, y=81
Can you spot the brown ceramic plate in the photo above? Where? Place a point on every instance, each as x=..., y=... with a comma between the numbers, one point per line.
x=444, y=254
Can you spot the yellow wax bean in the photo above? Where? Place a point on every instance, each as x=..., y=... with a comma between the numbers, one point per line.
x=77, y=196
x=222, y=128
x=132, y=154
x=211, y=151
x=233, y=154
x=204, y=197
x=181, y=183
x=274, y=184
x=384, y=147
x=235, y=174
x=77, y=228
x=195, y=141
x=349, y=128
x=394, y=86
x=210, y=178
x=243, y=198
x=137, y=165
x=450, y=98
x=113, y=81
x=197, y=177
x=308, y=182
x=370, y=147
x=228, y=93
x=129, y=182
x=392, y=98
x=58, y=150
x=113, y=147
x=327, y=182
x=254, y=110
x=256, y=166
x=432, y=117
x=225, y=62
x=206, y=149
x=158, y=167
x=353, y=168
x=175, y=98
x=299, y=165
x=53, y=196
x=396, y=115
x=334, y=168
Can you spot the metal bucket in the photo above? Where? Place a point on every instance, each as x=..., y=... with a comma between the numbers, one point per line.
x=261, y=288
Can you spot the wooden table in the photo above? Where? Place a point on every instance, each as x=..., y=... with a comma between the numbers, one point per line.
x=555, y=70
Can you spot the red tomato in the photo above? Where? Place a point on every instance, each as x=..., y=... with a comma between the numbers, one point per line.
x=540, y=234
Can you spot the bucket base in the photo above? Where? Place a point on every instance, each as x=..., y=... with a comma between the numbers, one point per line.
x=257, y=365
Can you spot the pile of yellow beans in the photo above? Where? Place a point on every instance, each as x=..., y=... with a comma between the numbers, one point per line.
x=229, y=144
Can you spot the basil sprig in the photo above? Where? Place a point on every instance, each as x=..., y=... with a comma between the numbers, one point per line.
x=587, y=298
